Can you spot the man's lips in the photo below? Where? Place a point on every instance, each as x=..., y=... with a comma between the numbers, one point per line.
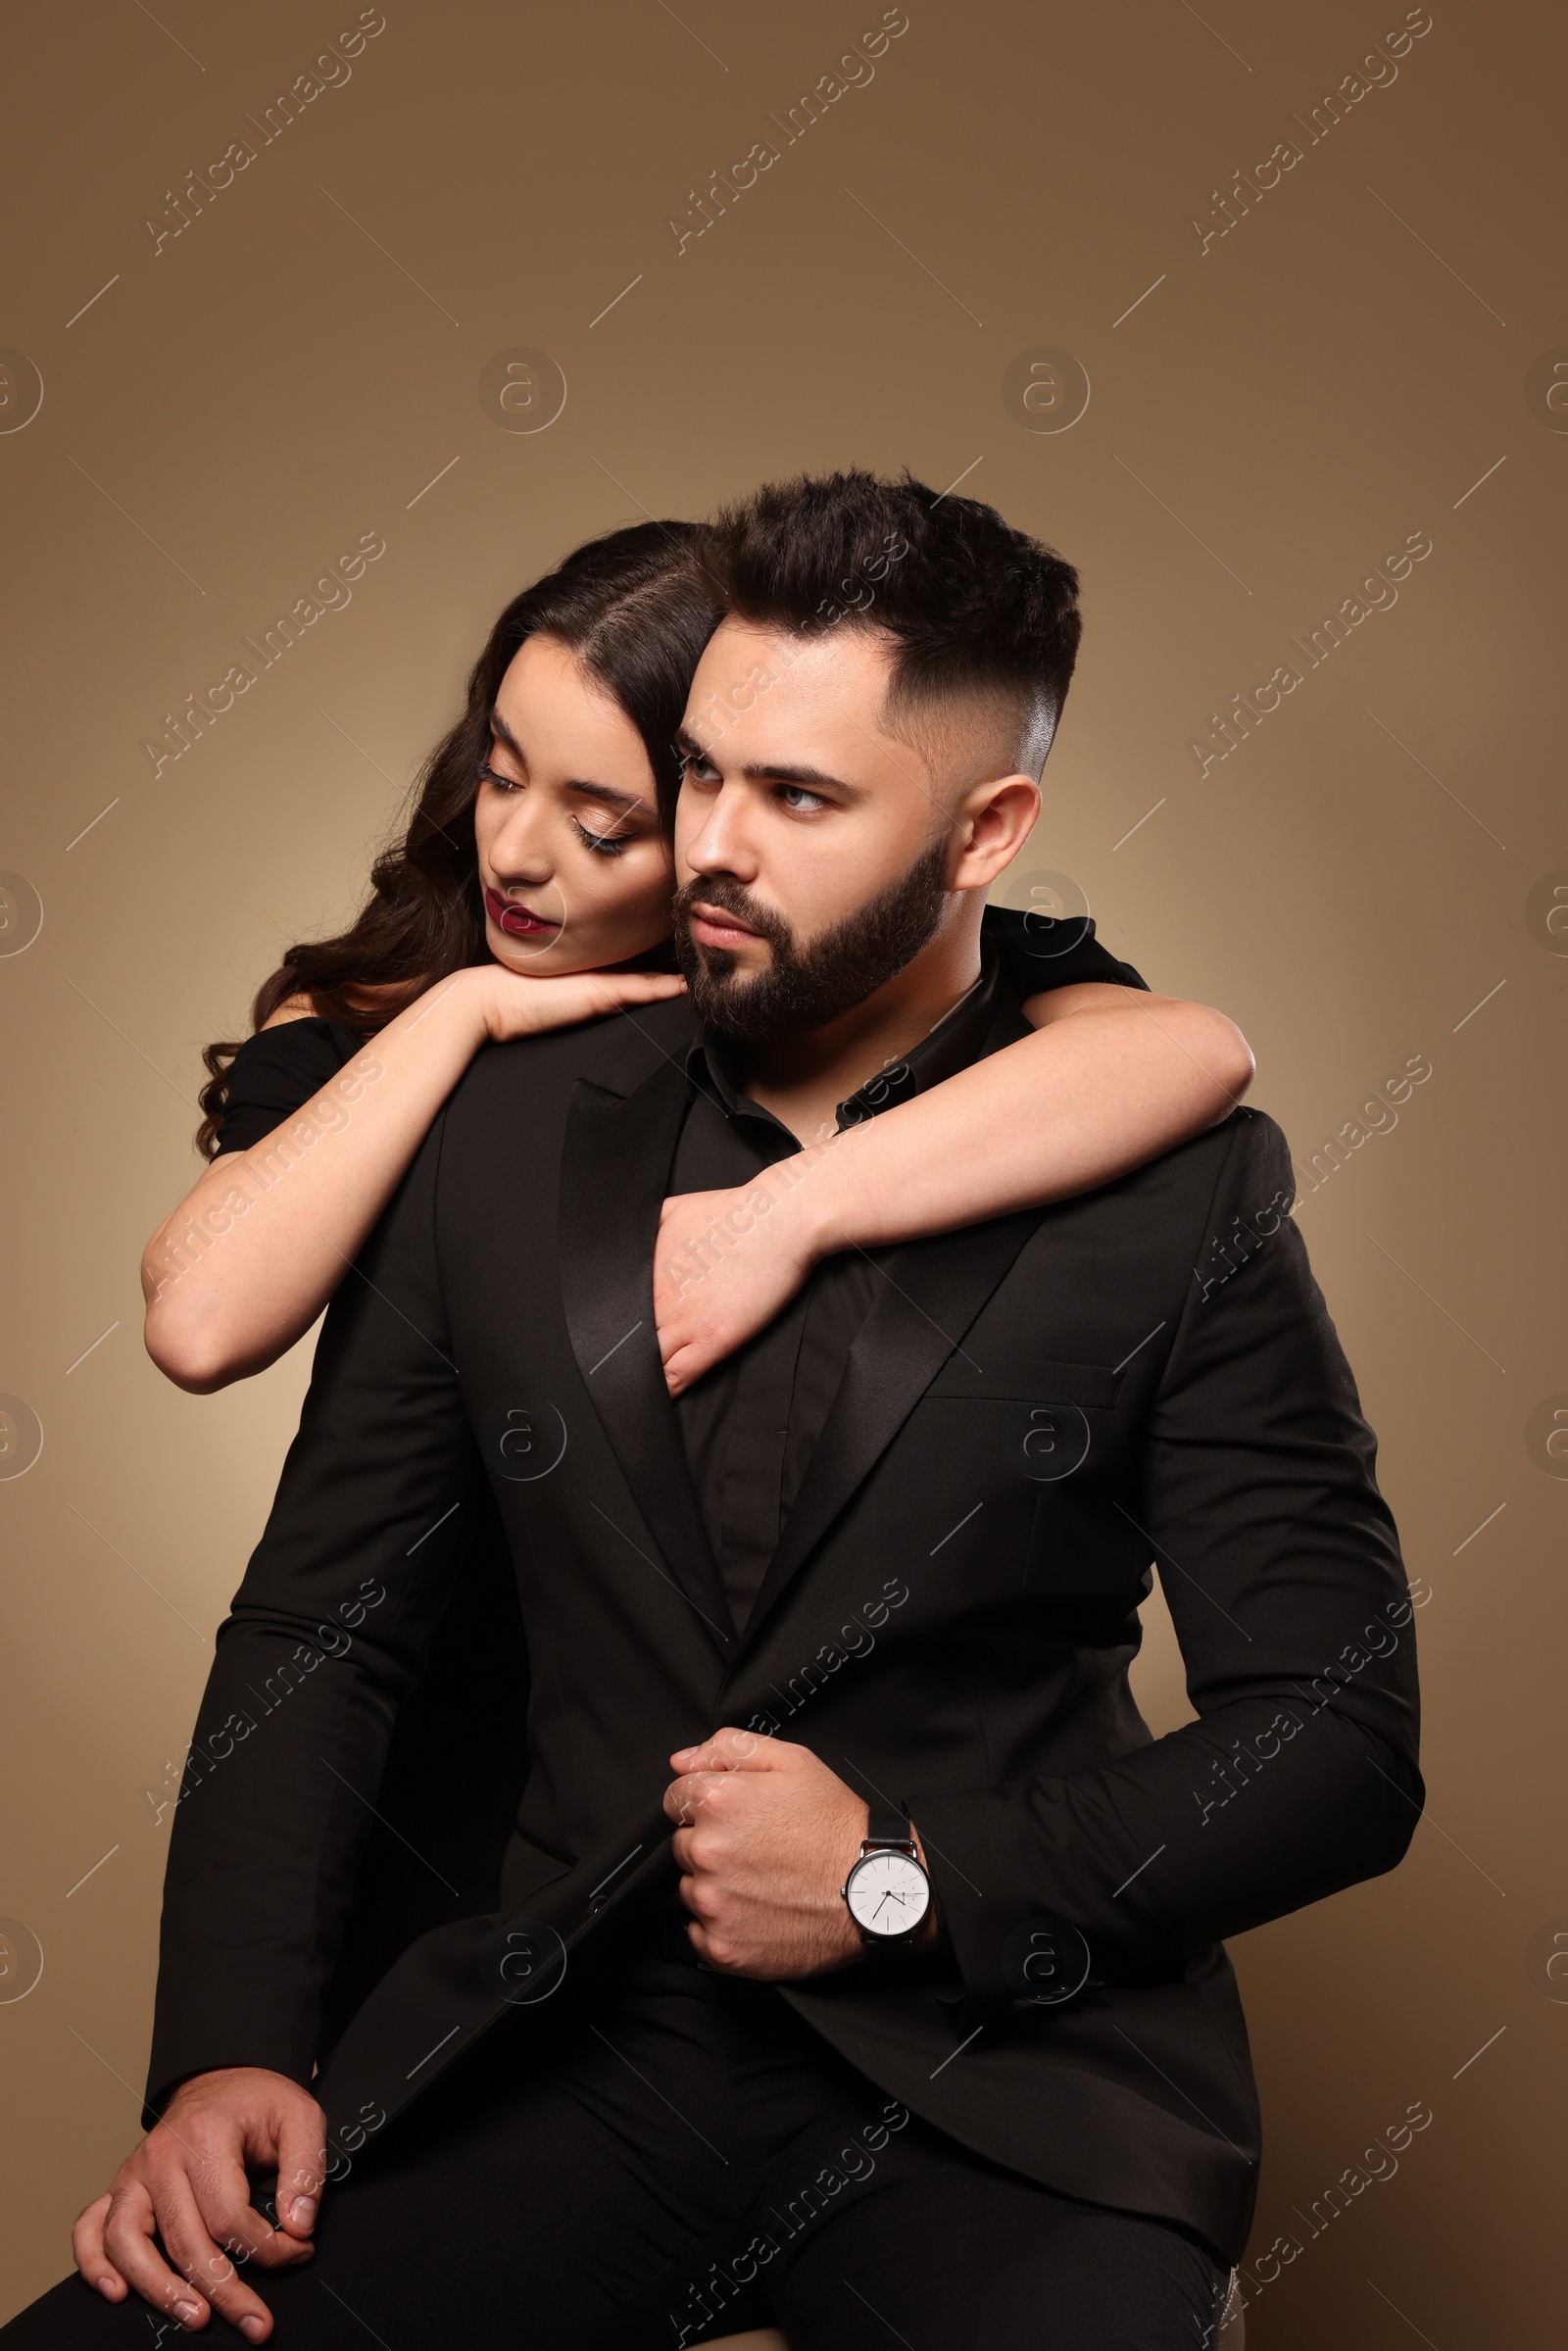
x=514, y=919
x=715, y=928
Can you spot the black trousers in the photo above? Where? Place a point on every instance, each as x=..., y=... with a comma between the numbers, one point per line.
x=671, y=2156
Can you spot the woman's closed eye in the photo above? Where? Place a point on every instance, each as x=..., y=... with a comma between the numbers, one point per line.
x=503, y=783
x=604, y=845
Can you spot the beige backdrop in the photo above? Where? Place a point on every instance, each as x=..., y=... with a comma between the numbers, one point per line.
x=1291, y=376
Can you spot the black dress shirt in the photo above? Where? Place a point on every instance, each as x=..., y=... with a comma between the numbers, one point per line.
x=750, y=1425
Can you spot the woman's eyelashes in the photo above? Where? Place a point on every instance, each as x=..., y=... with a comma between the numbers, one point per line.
x=603, y=844
x=611, y=844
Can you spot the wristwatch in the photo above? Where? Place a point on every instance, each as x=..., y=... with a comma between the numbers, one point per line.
x=887, y=1891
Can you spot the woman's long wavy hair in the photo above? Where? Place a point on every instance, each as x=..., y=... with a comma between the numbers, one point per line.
x=637, y=609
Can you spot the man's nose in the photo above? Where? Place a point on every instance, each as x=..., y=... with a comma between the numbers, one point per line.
x=721, y=842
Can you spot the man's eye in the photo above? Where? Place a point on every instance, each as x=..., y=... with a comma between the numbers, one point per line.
x=697, y=765
x=800, y=800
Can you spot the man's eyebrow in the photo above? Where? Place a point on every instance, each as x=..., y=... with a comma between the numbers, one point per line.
x=813, y=778
x=606, y=793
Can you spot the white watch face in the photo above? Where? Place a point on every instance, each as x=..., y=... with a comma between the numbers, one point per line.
x=888, y=1894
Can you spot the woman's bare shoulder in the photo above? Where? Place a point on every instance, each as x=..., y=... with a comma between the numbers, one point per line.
x=293, y=1008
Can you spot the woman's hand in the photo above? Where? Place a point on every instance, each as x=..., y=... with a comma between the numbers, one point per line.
x=511, y=1003
x=1111, y=1079
x=726, y=1263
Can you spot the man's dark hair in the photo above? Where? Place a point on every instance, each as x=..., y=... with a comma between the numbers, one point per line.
x=978, y=612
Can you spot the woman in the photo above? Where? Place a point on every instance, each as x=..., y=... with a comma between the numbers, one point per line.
x=531, y=890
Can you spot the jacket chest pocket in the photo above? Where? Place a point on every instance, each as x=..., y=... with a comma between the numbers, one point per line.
x=1053, y=1426
x=1041, y=1417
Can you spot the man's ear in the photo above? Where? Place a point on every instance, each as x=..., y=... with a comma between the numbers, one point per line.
x=989, y=826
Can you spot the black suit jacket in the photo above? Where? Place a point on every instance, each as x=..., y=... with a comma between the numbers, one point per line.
x=1035, y=1409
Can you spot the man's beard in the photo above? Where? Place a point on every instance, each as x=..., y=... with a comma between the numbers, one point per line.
x=807, y=986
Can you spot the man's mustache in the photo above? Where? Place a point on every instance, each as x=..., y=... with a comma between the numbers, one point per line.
x=729, y=896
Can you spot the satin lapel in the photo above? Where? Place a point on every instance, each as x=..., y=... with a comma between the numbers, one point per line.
x=615, y=1166
x=930, y=1293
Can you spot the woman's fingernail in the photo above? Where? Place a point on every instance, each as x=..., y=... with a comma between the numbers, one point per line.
x=251, y=2329
x=187, y=2312
x=304, y=2211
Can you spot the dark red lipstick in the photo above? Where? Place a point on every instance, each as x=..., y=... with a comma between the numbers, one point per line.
x=516, y=920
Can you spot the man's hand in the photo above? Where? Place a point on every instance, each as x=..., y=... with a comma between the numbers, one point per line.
x=724, y=1264
x=766, y=1835
x=186, y=2181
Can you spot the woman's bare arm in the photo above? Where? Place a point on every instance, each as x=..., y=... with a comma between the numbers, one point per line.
x=1112, y=1078
x=257, y=1246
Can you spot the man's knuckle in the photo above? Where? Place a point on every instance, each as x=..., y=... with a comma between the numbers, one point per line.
x=121, y=2232
x=180, y=2240
x=226, y=2218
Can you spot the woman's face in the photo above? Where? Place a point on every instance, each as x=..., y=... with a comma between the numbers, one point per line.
x=574, y=870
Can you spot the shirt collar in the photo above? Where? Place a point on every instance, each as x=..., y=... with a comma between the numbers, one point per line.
x=716, y=1064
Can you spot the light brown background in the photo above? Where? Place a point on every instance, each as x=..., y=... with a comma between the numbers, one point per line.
x=1276, y=415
